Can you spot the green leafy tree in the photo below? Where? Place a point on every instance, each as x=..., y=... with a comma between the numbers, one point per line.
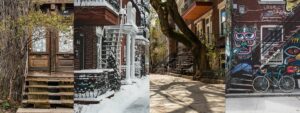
x=158, y=44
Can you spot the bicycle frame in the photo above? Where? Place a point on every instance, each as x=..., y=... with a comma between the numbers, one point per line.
x=274, y=77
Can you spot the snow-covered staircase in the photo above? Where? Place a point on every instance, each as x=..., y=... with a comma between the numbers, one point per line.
x=49, y=90
x=111, y=45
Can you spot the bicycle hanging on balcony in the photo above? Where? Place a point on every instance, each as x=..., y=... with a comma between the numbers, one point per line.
x=278, y=79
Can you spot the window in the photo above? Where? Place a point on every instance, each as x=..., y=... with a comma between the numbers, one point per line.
x=271, y=37
x=208, y=31
x=223, y=26
x=39, y=40
x=66, y=41
x=199, y=32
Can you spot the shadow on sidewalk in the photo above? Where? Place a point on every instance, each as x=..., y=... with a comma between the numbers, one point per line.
x=200, y=97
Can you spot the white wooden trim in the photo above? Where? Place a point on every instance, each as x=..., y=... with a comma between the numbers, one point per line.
x=221, y=6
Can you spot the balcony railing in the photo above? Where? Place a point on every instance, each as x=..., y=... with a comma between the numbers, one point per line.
x=109, y=3
x=189, y=3
x=93, y=83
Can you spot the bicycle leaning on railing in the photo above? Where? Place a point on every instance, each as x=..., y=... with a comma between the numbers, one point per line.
x=277, y=79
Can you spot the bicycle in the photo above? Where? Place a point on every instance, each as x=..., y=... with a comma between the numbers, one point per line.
x=261, y=83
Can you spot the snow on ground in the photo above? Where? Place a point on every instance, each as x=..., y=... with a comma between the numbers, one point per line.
x=132, y=98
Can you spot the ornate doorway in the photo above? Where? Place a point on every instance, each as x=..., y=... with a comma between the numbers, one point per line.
x=51, y=50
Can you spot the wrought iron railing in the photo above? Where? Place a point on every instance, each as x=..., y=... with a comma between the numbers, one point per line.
x=96, y=82
x=91, y=83
x=114, y=3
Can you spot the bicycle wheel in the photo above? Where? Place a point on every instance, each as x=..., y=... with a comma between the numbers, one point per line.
x=287, y=84
x=260, y=84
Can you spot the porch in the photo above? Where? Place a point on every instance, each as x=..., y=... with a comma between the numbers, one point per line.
x=48, y=90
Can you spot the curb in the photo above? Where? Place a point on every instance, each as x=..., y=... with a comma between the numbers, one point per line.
x=241, y=95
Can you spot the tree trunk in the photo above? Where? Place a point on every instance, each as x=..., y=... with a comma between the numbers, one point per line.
x=13, y=43
x=169, y=9
x=200, y=62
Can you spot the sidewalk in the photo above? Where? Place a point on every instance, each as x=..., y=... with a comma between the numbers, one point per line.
x=263, y=105
x=171, y=94
x=276, y=93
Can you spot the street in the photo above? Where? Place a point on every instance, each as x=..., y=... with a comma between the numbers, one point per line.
x=263, y=105
x=170, y=94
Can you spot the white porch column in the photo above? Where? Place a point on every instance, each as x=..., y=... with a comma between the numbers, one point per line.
x=132, y=57
x=128, y=62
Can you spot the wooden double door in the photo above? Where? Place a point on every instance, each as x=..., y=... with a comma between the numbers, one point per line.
x=51, y=50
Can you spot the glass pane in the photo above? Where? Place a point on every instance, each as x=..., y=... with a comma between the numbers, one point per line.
x=39, y=40
x=66, y=41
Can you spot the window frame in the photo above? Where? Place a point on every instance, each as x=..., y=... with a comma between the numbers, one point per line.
x=44, y=38
x=271, y=62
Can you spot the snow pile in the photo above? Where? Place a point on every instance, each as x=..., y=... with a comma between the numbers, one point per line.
x=132, y=98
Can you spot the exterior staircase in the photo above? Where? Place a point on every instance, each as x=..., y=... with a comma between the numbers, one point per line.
x=273, y=47
x=49, y=90
x=240, y=84
x=269, y=49
x=184, y=63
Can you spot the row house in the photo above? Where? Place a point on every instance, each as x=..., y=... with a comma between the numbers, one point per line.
x=49, y=82
x=207, y=19
x=111, y=42
x=265, y=35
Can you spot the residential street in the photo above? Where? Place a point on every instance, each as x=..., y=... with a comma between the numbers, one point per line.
x=170, y=94
x=263, y=105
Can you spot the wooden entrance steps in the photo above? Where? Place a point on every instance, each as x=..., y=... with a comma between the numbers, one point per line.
x=35, y=110
x=49, y=90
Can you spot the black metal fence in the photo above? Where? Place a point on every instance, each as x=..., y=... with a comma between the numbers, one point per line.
x=93, y=83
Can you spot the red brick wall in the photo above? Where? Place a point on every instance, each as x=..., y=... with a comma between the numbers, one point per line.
x=87, y=36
